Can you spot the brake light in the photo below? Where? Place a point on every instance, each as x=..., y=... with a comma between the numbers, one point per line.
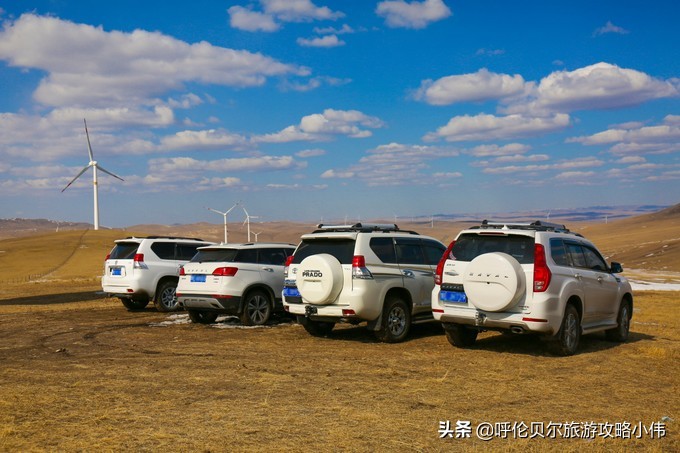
x=359, y=269
x=108, y=255
x=138, y=261
x=542, y=274
x=225, y=271
x=440, y=266
x=139, y=257
x=181, y=271
x=289, y=260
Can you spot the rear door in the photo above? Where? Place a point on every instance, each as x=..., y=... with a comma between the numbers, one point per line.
x=271, y=262
x=416, y=271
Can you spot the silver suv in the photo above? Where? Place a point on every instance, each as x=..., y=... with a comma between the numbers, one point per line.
x=142, y=269
x=363, y=272
x=529, y=278
x=244, y=280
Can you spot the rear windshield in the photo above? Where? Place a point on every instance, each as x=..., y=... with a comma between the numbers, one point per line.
x=341, y=249
x=124, y=251
x=214, y=255
x=470, y=246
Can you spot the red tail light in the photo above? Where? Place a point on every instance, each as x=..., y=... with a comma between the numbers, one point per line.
x=440, y=266
x=225, y=271
x=359, y=269
x=289, y=260
x=358, y=261
x=542, y=274
x=139, y=257
x=181, y=271
x=108, y=255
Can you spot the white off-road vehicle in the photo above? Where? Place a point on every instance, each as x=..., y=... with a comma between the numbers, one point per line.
x=529, y=278
x=362, y=272
x=243, y=280
x=142, y=269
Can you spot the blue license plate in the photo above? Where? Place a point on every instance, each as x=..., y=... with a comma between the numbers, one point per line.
x=291, y=292
x=116, y=271
x=198, y=278
x=457, y=297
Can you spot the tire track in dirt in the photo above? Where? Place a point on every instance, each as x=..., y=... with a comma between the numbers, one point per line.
x=68, y=258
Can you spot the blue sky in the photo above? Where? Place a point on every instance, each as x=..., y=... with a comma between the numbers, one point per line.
x=306, y=109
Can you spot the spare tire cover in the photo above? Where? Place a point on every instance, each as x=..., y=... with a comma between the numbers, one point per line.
x=494, y=281
x=319, y=279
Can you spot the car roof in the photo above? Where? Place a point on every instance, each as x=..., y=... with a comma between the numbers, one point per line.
x=160, y=238
x=245, y=245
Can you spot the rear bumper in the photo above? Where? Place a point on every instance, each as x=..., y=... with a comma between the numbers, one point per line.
x=223, y=304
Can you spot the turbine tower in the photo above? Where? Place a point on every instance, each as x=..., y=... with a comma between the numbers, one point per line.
x=224, y=214
x=247, y=220
x=93, y=163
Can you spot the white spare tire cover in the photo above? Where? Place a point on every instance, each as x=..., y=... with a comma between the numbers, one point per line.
x=494, y=281
x=319, y=279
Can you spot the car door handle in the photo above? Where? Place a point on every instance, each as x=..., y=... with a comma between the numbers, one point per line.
x=577, y=276
x=408, y=273
x=268, y=269
x=599, y=278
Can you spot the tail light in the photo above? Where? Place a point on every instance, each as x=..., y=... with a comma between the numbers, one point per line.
x=440, y=266
x=108, y=255
x=138, y=261
x=542, y=274
x=225, y=271
x=181, y=271
x=289, y=260
x=359, y=269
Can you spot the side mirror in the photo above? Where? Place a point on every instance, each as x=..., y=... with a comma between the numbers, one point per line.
x=616, y=268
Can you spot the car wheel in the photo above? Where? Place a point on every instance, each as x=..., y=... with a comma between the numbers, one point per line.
x=202, y=317
x=316, y=328
x=396, y=321
x=566, y=341
x=165, y=299
x=460, y=336
x=620, y=333
x=133, y=305
x=257, y=309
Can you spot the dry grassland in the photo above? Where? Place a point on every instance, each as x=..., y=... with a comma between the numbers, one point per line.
x=79, y=372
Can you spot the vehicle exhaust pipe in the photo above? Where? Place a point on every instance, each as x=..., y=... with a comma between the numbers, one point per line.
x=517, y=330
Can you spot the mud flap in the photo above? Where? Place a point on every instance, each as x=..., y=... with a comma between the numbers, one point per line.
x=375, y=324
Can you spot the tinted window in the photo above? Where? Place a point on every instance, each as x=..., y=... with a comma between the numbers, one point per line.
x=594, y=260
x=124, y=251
x=186, y=251
x=433, y=251
x=470, y=246
x=409, y=251
x=214, y=256
x=164, y=250
x=276, y=257
x=576, y=254
x=558, y=252
x=384, y=249
x=341, y=249
x=246, y=256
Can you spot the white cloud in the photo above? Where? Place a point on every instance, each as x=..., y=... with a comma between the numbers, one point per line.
x=609, y=27
x=322, y=126
x=325, y=41
x=345, y=29
x=276, y=11
x=415, y=14
x=112, y=117
x=310, y=153
x=175, y=165
x=479, y=86
x=490, y=127
x=497, y=151
x=205, y=139
x=86, y=65
x=313, y=83
x=249, y=20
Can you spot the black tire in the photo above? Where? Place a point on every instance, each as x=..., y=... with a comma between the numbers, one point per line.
x=257, y=308
x=165, y=299
x=134, y=305
x=620, y=332
x=202, y=317
x=566, y=341
x=396, y=321
x=316, y=328
x=460, y=336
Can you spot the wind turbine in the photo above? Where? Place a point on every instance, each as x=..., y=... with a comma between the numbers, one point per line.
x=224, y=214
x=247, y=220
x=93, y=163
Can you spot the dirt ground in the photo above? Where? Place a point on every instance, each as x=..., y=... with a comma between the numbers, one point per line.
x=80, y=373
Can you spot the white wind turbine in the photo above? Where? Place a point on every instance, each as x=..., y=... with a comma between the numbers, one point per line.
x=93, y=163
x=247, y=220
x=224, y=214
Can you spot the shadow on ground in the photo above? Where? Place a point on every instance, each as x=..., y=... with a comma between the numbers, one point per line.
x=48, y=299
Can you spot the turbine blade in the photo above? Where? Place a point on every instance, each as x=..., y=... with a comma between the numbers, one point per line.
x=108, y=172
x=89, y=146
x=77, y=176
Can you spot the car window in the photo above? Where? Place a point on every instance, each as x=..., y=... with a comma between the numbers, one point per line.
x=559, y=252
x=214, y=256
x=186, y=251
x=576, y=254
x=341, y=249
x=594, y=260
x=164, y=250
x=470, y=245
x=433, y=251
x=274, y=256
x=246, y=256
x=384, y=249
x=409, y=251
x=124, y=251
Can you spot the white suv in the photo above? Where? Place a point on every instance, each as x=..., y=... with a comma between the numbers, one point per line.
x=141, y=269
x=245, y=280
x=362, y=272
x=534, y=277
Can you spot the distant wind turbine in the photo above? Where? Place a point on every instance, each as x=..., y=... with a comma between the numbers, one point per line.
x=224, y=214
x=93, y=163
x=247, y=220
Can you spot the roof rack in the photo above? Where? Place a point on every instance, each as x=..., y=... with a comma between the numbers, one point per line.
x=362, y=228
x=537, y=225
x=165, y=237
